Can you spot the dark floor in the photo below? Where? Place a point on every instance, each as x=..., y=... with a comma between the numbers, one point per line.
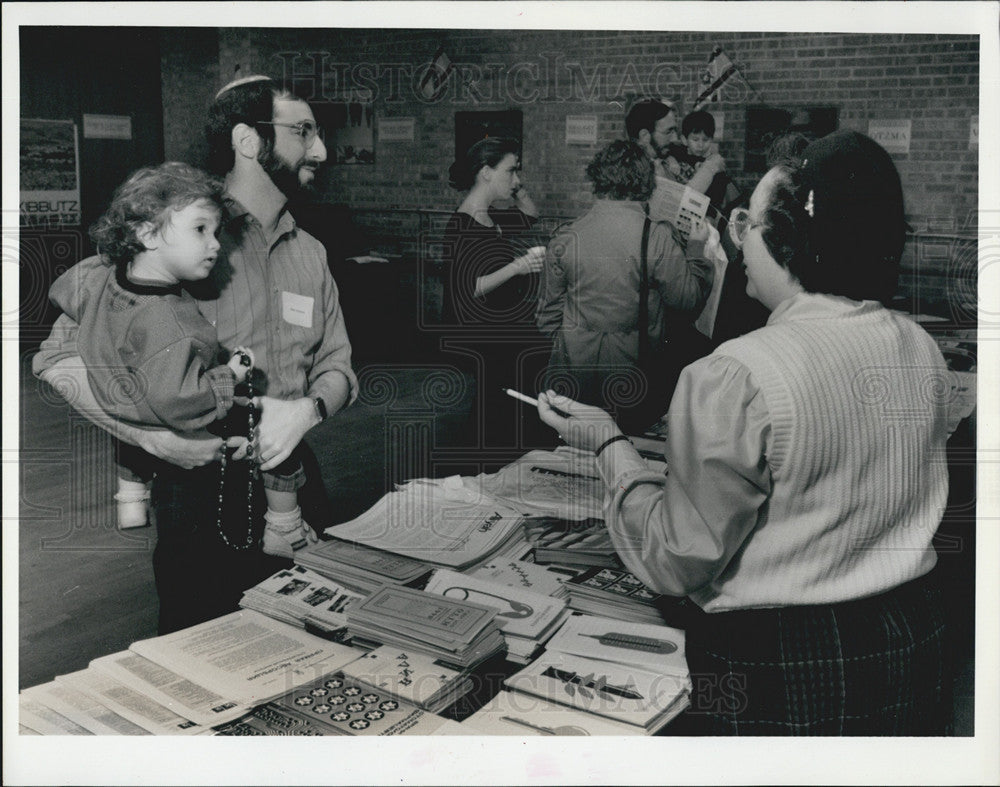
x=86, y=589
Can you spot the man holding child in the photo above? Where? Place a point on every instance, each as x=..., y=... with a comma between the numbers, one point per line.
x=270, y=291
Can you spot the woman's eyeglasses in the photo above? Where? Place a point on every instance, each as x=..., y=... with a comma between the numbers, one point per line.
x=740, y=225
x=304, y=128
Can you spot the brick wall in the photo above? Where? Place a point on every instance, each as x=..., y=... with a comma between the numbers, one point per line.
x=928, y=79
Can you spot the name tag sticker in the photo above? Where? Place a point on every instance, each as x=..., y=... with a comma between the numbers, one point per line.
x=297, y=309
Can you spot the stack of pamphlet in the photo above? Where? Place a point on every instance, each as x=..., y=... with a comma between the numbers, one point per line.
x=527, y=619
x=513, y=713
x=562, y=483
x=335, y=705
x=632, y=673
x=302, y=598
x=359, y=567
x=410, y=676
x=459, y=633
x=571, y=543
x=244, y=658
x=614, y=593
x=523, y=574
x=444, y=525
x=70, y=707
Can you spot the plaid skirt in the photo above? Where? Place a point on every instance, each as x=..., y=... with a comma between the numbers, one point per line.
x=876, y=666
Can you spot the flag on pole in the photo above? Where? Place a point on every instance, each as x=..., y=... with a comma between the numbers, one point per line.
x=719, y=71
x=437, y=74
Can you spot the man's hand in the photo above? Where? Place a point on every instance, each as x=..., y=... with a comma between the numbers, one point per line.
x=282, y=426
x=701, y=231
x=580, y=425
x=192, y=449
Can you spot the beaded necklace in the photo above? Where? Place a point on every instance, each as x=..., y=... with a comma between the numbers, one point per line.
x=251, y=477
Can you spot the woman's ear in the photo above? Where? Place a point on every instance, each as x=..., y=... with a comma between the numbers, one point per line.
x=246, y=141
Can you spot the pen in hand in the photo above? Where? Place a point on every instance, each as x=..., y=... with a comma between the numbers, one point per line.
x=532, y=401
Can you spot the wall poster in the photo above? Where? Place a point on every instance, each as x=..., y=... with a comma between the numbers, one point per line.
x=50, y=173
x=349, y=128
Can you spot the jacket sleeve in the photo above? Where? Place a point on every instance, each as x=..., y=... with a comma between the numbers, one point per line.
x=175, y=384
x=678, y=532
x=683, y=276
x=71, y=293
x=552, y=293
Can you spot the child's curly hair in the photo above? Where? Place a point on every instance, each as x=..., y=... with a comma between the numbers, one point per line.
x=148, y=196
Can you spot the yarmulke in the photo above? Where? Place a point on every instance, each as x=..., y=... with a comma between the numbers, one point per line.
x=243, y=81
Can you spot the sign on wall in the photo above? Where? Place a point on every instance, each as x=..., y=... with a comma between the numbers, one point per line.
x=396, y=129
x=581, y=129
x=107, y=127
x=50, y=173
x=974, y=132
x=893, y=135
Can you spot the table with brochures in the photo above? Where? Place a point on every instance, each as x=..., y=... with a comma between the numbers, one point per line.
x=487, y=605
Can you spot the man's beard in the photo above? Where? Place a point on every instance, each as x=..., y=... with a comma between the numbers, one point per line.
x=282, y=174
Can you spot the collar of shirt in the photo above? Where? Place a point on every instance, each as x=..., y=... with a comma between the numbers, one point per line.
x=607, y=205
x=819, y=306
x=233, y=211
x=143, y=286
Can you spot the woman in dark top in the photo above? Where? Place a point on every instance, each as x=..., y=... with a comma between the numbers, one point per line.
x=490, y=287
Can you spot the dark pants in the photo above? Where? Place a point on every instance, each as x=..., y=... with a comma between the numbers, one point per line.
x=198, y=575
x=878, y=666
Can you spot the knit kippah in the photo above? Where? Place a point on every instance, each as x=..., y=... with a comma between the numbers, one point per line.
x=243, y=81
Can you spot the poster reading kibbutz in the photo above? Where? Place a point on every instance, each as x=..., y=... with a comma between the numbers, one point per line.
x=50, y=173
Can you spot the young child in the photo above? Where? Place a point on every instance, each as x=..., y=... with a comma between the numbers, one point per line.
x=699, y=148
x=152, y=359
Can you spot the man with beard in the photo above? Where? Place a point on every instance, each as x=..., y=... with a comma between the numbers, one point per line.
x=271, y=291
x=652, y=124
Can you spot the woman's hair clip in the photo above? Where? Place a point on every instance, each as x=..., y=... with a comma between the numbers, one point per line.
x=810, y=209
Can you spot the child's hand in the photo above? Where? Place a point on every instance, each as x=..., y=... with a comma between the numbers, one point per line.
x=241, y=362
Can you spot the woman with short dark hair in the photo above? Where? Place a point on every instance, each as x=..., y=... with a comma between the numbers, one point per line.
x=806, y=474
x=490, y=286
x=589, y=304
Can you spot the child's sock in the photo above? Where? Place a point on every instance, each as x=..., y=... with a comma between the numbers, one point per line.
x=284, y=532
x=132, y=498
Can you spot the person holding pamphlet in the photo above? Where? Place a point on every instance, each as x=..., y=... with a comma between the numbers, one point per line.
x=798, y=510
